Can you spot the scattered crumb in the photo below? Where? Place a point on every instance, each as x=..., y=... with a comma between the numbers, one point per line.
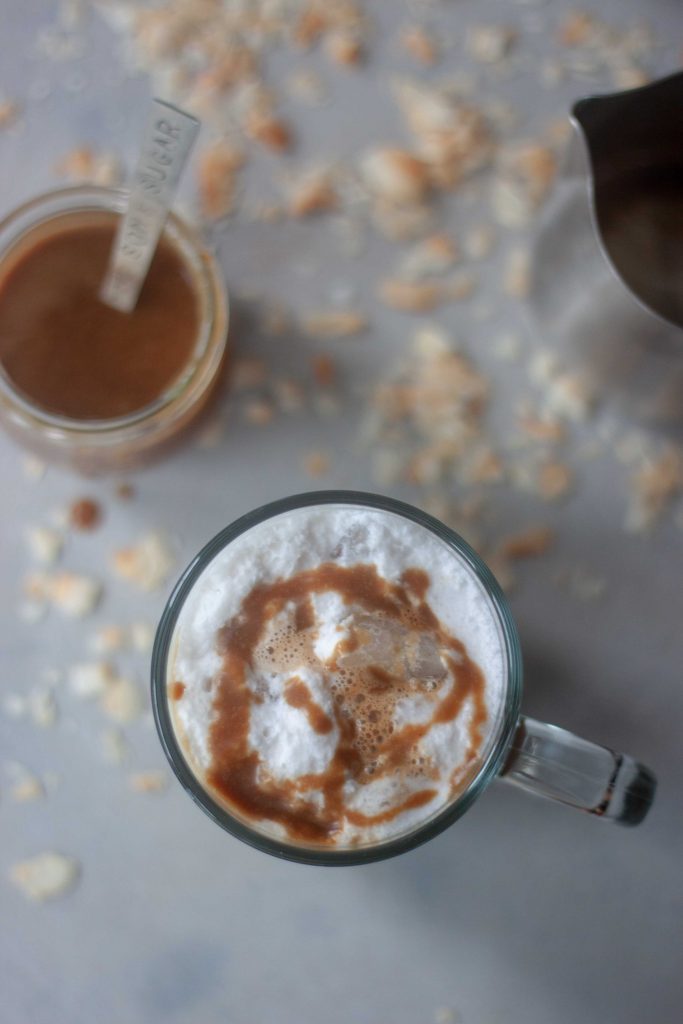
x=248, y=373
x=581, y=583
x=42, y=707
x=433, y=255
x=121, y=700
x=344, y=48
x=542, y=429
x=517, y=274
x=312, y=192
x=9, y=113
x=411, y=296
x=334, y=323
x=317, y=464
x=306, y=86
x=85, y=514
x=525, y=173
x=259, y=411
x=529, y=544
x=653, y=486
x=90, y=679
x=324, y=370
x=479, y=241
x=268, y=129
x=125, y=491
x=45, y=876
x=114, y=746
x=217, y=169
x=33, y=468
x=420, y=44
x=73, y=595
x=148, y=782
x=108, y=639
x=25, y=786
x=44, y=544
x=489, y=43
x=147, y=564
x=555, y=480
x=83, y=164
x=142, y=637
x=396, y=175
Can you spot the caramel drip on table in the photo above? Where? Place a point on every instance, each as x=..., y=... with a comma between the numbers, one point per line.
x=369, y=745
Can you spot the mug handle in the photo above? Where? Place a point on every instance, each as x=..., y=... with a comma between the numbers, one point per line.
x=552, y=762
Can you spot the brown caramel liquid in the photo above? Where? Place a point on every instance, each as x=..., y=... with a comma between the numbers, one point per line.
x=69, y=353
x=377, y=665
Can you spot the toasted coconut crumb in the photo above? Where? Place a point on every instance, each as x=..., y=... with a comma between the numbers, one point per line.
x=121, y=700
x=269, y=130
x=85, y=514
x=576, y=28
x=42, y=707
x=148, y=782
x=334, y=323
x=34, y=469
x=46, y=876
x=420, y=45
x=344, y=48
x=461, y=286
x=108, y=639
x=542, y=428
x=84, y=165
x=401, y=223
x=507, y=346
x=142, y=636
x=44, y=544
x=582, y=583
x=313, y=192
x=90, y=679
x=25, y=786
x=146, y=564
x=479, y=241
x=432, y=255
x=654, y=485
x=517, y=274
x=527, y=171
x=248, y=373
x=114, y=746
x=306, y=86
x=73, y=595
x=490, y=43
x=124, y=491
x=289, y=394
x=317, y=464
x=9, y=112
x=529, y=544
x=259, y=412
x=411, y=296
x=555, y=480
x=216, y=177
x=396, y=174
x=324, y=370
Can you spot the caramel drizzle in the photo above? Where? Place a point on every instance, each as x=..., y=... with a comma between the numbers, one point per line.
x=368, y=746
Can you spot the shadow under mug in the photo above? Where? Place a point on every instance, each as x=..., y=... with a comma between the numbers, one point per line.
x=535, y=756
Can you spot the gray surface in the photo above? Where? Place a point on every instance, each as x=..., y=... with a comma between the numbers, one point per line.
x=523, y=911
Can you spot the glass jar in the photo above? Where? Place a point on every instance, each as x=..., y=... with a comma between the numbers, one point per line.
x=98, y=446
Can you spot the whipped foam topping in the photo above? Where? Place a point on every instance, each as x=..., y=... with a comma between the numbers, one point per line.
x=342, y=675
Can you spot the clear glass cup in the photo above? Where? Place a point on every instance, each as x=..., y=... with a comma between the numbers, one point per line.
x=95, y=446
x=540, y=758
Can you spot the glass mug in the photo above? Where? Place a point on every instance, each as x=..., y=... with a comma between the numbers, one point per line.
x=540, y=758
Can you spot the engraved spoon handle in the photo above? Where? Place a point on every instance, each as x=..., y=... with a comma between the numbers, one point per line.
x=169, y=136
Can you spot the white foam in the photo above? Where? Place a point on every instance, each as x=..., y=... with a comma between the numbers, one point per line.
x=286, y=741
